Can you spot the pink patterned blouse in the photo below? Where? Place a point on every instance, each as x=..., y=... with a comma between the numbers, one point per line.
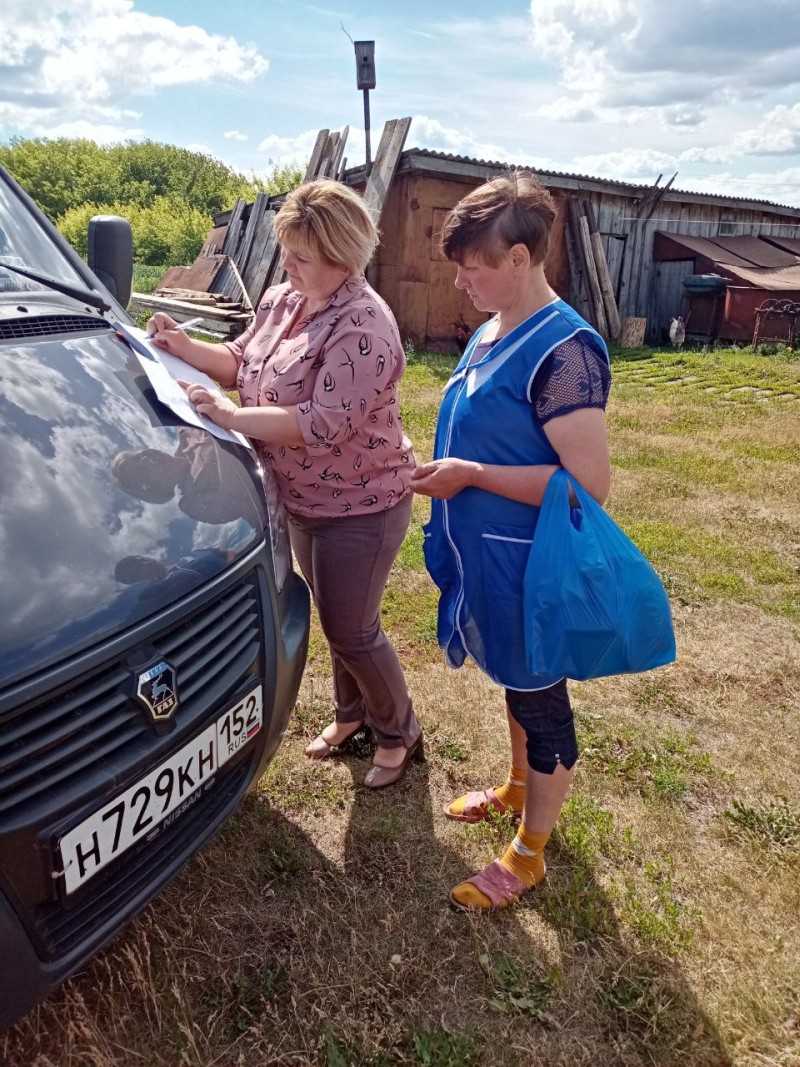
x=340, y=367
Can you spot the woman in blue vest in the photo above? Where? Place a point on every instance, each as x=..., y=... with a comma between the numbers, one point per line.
x=527, y=397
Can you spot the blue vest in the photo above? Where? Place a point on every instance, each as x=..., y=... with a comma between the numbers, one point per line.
x=477, y=543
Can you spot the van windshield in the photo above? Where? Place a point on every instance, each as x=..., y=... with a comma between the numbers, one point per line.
x=24, y=243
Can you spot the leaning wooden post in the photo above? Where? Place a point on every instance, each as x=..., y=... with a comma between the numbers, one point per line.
x=584, y=241
x=603, y=275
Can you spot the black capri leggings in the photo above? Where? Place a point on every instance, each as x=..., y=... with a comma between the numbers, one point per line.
x=546, y=717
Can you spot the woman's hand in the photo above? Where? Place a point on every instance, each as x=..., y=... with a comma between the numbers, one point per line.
x=443, y=478
x=163, y=332
x=213, y=405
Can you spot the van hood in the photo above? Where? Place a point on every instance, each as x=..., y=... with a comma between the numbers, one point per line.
x=111, y=508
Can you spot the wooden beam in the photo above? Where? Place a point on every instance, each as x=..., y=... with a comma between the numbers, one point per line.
x=603, y=274
x=269, y=271
x=316, y=155
x=234, y=230
x=594, y=281
x=336, y=161
x=393, y=138
x=256, y=211
x=181, y=310
x=584, y=247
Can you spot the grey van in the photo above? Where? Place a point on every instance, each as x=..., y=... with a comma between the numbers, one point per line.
x=152, y=630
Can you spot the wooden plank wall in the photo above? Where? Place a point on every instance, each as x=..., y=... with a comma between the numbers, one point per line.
x=655, y=290
x=414, y=277
x=417, y=282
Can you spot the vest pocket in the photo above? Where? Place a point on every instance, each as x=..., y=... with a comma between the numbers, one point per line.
x=504, y=558
x=439, y=559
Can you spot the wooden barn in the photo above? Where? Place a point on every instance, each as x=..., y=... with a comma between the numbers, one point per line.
x=620, y=253
x=415, y=279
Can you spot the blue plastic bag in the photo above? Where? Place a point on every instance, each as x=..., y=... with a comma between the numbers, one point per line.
x=594, y=606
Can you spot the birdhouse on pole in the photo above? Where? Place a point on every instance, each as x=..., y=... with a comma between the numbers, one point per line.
x=365, y=80
x=365, y=64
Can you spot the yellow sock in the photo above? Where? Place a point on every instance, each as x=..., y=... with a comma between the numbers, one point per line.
x=524, y=857
x=511, y=793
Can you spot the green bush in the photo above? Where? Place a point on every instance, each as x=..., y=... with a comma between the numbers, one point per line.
x=64, y=174
x=167, y=231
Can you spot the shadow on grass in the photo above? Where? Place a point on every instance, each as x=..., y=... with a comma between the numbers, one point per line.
x=478, y=980
x=638, y=994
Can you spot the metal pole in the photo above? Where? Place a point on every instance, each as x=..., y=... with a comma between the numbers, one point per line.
x=366, y=130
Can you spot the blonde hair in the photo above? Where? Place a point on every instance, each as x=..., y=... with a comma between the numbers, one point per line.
x=331, y=220
x=503, y=212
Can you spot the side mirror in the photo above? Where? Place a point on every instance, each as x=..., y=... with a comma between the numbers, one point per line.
x=110, y=248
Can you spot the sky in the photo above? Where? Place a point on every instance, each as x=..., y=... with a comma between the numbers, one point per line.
x=625, y=89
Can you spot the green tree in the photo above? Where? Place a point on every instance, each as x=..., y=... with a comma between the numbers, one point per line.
x=166, y=231
x=167, y=193
x=61, y=174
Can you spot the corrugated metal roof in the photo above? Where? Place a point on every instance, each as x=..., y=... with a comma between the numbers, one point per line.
x=785, y=280
x=789, y=244
x=759, y=253
x=500, y=165
x=724, y=253
x=676, y=246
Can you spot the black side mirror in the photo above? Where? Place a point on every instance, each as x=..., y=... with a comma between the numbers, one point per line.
x=110, y=248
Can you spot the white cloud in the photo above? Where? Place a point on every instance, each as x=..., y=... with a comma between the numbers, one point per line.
x=288, y=151
x=106, y=125
x=778, y=134
x=427, y=132
x=683, y=116
x=65, y=64
x=782, y=186
x=627, y=164
x=235, y=135
x=651, y=54
x=569, y=109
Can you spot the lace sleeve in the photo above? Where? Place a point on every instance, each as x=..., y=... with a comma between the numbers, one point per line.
x=573, y=376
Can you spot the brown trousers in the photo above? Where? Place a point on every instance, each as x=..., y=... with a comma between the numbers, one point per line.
x=346, y=562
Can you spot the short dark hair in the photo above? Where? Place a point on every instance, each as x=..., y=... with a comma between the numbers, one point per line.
x=514, y=209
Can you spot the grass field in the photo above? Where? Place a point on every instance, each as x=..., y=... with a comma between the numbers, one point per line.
x=315, y=930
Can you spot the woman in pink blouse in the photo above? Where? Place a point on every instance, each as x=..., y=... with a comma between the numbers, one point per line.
x=317, y=375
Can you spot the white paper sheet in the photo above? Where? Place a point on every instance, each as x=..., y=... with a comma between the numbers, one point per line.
x=163, y=372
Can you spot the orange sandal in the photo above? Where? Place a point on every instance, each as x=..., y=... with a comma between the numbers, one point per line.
x=476, y=806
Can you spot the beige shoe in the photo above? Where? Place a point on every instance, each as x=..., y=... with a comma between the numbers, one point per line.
x=319, y=748
x=378, y=777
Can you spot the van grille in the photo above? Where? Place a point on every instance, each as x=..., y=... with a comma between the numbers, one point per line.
x=139, y=872
x=46, y=325
x=48, y=748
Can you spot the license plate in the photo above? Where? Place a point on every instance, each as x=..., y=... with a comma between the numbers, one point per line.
x=133, y=815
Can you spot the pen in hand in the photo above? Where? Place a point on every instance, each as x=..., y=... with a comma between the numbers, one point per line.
x=181, y=326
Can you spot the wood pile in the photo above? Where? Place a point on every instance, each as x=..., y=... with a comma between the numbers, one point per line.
x=240, y=256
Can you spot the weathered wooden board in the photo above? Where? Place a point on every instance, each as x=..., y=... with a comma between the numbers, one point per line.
x=184, y=309
x=268, y=270
x=257, y=210
x=214, y=241
x=380, y=177
x=316, y=156
x=200, y=275
x=234, y=231
x=594, y=282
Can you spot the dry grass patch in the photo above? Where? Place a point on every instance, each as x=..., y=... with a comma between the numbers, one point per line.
x=315, y=930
